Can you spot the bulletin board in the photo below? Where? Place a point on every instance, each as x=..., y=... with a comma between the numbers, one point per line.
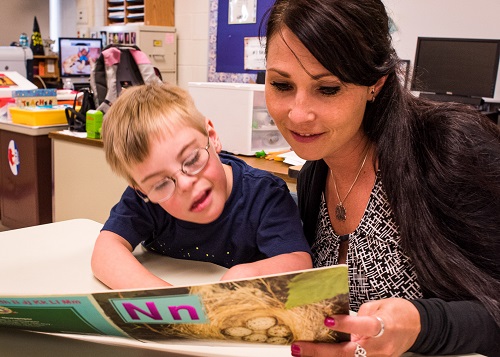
x=226, y=44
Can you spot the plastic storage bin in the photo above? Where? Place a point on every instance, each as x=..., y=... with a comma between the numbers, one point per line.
x=38, y=116
x=240, y=117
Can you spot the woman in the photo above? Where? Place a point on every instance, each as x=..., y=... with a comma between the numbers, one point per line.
x=403, y=190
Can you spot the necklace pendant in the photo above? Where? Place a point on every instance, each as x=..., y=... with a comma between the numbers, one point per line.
x=340, y=212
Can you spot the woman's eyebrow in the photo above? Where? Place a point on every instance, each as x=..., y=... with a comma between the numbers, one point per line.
x=281, y=73
x=316, y=77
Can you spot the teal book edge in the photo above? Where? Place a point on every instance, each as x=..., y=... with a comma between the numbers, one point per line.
x=275, y=309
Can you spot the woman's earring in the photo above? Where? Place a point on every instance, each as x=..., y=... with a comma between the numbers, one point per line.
x=373, y=95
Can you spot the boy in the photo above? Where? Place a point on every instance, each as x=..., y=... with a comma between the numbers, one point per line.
x=186, y=201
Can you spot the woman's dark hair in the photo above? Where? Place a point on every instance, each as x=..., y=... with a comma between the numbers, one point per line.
x=440, y=162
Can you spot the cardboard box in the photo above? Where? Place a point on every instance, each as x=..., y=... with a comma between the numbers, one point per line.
x=93, y=123
x=11, y=81
x=35, y=97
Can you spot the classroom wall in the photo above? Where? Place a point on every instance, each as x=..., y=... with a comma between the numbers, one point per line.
x=16, y=17
x=443, y=18
x=191, y=23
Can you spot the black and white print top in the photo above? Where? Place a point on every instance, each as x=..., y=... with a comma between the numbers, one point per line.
x=378, y=268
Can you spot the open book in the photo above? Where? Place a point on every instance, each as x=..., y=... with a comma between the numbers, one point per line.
x=275, y=309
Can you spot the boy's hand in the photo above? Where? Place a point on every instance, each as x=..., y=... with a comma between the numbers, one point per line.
x=279, y=264
x=115, y=266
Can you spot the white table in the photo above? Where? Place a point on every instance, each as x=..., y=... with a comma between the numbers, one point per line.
x=55, y=259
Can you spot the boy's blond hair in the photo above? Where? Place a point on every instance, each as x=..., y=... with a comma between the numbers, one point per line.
x=141, y=115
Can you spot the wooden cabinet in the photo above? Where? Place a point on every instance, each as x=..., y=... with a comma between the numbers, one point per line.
x=46, y=71
x=141, y=12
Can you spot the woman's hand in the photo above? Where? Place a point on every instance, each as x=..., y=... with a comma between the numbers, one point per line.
x=386, y=327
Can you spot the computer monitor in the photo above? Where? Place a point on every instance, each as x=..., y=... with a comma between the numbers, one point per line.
x=456, y=66
x=75, y=57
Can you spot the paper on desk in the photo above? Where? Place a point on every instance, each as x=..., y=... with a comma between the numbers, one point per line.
x=78, y=134
x=67, y=94
x=292, y=158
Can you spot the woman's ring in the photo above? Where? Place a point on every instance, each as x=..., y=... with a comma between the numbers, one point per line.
x=359, y=351
x=382, y=327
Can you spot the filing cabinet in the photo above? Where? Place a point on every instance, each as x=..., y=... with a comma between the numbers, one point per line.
x=158, y=42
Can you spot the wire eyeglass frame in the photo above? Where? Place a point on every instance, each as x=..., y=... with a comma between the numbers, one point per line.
x=165, y=188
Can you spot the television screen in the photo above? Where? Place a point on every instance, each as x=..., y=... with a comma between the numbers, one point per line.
x=461, y=67
x=76, y=55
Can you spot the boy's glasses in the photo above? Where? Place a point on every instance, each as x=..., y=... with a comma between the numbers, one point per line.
x=165, y=188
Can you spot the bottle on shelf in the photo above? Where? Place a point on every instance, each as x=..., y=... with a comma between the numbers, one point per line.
x=23, y=40
x=68, y=84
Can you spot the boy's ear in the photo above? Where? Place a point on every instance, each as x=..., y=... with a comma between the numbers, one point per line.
x=214, y=137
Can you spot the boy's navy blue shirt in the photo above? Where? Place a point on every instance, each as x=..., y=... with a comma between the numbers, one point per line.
x=260, y=220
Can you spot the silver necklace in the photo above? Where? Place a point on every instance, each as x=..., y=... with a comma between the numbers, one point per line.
x=340, y=211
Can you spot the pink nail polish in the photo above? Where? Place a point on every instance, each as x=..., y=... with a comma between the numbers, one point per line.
x=295, y=350
x=329, y=322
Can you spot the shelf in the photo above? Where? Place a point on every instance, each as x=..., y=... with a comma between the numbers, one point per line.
x=45, y=57
x=116, y=15
x=136, y=16
x=150, y=12
x=135, y=7
x=46, y=68
x=51, y=76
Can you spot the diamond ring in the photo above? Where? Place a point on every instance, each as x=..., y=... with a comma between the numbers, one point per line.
x=359, y=351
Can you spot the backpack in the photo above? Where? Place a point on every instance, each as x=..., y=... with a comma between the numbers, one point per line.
x=77, y=118
x=118, y=67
